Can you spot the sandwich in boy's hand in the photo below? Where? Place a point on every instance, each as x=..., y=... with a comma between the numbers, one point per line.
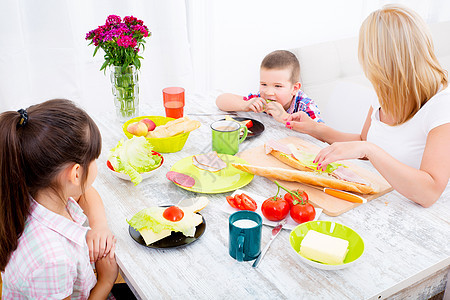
x=336, y=175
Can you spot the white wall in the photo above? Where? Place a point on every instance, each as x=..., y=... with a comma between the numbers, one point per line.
x=44, y=54
x=240, y=33
x=206, y=46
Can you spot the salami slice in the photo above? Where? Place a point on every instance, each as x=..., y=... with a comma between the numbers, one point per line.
x=181, y=179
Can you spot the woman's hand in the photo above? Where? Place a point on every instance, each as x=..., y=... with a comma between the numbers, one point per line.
x=277, y=111
x=341, y=151
x=101, y=242
x=301, y=122
x=256, y=104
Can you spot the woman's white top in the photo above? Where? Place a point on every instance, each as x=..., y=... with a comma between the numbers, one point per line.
x=406, y=142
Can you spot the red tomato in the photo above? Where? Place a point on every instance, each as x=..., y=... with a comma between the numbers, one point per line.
x=238, y=201
x=249, y=123
x=302, y=212
x=173, y=213
x=248, y=203
x=275, y=209
x=301, y=193
x=231, y=201
x=242, y=201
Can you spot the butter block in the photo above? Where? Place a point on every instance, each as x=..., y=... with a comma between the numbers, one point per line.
x=150, y=236
x=324, y=248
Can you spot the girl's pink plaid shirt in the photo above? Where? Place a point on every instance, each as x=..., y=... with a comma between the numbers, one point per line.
x=52, y=258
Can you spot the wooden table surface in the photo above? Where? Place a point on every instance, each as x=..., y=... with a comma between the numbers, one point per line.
x=407, y=249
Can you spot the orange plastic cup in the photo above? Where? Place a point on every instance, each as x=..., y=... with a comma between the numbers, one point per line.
x=173, y=102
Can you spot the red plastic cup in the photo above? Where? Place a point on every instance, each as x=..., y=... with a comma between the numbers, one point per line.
x=173, y=102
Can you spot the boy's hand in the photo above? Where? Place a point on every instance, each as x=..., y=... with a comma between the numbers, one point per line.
x=101, y=242
x=256, y=105
x=277, y=111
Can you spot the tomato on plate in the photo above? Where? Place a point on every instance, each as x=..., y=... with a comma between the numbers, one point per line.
x=302, y=212
x=299, y=195
x=249, y=123
x=248, y=203
x=275, y=208
x=242, y=202
x=231, y=201
x=173, y=213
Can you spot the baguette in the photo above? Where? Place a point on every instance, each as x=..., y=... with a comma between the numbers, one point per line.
x=312, y=178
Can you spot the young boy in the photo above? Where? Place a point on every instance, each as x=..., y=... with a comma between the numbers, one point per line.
x=279, y=90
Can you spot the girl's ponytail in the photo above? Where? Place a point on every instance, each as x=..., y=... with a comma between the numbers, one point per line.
x=14, y=195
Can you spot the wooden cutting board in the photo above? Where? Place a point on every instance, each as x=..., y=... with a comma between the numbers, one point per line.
x=332, y=206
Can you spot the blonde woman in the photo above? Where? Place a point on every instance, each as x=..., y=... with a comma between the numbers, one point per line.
x=406, y=135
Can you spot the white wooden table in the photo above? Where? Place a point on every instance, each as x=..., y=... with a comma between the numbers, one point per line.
x=407, y=248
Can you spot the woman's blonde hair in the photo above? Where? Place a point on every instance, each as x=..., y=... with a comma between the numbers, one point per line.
x=397, y=55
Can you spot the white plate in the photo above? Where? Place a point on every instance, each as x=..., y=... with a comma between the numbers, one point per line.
x=291, y=224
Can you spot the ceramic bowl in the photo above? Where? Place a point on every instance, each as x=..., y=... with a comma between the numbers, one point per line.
x=144, y=175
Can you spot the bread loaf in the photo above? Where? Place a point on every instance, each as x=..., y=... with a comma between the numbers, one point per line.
x=174, y=127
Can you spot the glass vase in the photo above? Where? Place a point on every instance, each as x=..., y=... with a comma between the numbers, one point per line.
x=125, y=88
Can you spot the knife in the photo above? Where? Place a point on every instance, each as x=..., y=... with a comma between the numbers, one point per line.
x=275, y=231
x=344, y=195
x=212, y=114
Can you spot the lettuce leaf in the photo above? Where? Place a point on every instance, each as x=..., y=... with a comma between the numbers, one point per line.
x=307, y=159
x=134, y=156
x=146, y=219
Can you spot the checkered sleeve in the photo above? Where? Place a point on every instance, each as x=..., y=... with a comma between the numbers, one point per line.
x=306, y=104
x=251, y=96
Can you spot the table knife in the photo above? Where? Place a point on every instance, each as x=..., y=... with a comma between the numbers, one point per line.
x=212, y=114
x=275, y=231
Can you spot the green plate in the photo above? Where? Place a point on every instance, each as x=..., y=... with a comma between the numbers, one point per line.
x=225, y=180
x=355, y=245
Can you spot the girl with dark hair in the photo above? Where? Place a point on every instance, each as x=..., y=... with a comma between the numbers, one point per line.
x=47, y=167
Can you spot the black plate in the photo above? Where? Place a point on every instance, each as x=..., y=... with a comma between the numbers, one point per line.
x=176, y=239
x=256, y=129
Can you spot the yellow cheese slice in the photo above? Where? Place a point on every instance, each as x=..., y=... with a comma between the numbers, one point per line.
x=150, y=237
x=324, y=248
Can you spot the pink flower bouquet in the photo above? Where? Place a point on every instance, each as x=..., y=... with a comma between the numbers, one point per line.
x=121, y=40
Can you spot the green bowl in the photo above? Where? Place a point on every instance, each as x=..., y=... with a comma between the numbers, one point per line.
x=355, y=242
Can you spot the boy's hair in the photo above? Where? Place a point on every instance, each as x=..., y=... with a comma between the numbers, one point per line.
x=283, y=59
x=396, y=53
x=35, y=146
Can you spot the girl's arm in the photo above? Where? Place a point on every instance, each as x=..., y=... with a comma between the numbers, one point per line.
x=107, y=271
x=423, y=186
x=99, y=239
